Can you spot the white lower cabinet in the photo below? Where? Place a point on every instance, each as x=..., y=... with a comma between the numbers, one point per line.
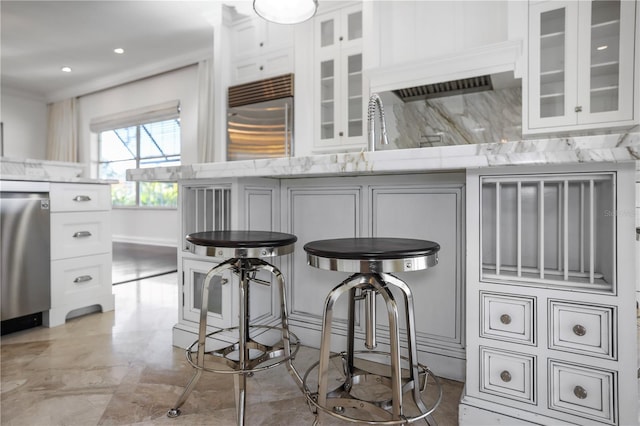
x=81, y=251
x=550, y=267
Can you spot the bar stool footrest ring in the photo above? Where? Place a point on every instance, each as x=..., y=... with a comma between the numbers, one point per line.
x=268, y=353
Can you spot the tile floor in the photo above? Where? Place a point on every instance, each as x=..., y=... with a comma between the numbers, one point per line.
x=119, y=368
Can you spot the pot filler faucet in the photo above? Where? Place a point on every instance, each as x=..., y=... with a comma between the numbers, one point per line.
x=376, y=102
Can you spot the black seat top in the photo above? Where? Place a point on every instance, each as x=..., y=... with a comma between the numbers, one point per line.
x=241, y=239
x=371, y=248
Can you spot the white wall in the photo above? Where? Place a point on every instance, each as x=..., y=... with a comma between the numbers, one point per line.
x=24, y=124
x=143, y=225
x=181, y=84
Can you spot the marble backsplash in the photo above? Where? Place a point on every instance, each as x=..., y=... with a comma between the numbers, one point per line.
x=483, y=117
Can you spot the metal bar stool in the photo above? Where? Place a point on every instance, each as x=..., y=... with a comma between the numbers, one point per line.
x=371, y=260
x=245, y=251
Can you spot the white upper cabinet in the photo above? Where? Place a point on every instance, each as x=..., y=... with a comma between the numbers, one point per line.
x=338, y=84
x=260, y=50
x=581, y=66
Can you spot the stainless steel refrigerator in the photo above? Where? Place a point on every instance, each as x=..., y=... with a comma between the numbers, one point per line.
x=260, y=119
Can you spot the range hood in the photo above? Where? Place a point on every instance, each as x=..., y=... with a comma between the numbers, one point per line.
x=490, y=67
x=447, y=88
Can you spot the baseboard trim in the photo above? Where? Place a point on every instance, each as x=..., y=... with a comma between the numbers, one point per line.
x=141, y=240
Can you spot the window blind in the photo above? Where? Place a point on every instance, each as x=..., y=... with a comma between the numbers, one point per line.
x=134, y=117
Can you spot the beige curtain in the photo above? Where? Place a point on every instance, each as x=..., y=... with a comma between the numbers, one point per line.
x=205, y=111
x=62, y=131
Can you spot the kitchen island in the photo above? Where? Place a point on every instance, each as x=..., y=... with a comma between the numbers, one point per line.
x=478, y=315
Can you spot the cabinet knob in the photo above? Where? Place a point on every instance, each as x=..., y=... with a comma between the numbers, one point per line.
x=579, y=330
x=341, y=38
x=261, y=67
x=580, y=392
x=261, y=44
x=341, y=133
x=505, y=376
x=505, y=319
x=578, y=109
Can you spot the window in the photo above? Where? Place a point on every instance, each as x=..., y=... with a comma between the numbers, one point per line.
x=140, y=145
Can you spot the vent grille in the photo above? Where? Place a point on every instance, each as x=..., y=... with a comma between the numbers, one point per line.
x=261, y=91
x=448, y=88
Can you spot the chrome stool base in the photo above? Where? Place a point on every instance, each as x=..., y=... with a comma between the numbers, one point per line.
x=344, y=396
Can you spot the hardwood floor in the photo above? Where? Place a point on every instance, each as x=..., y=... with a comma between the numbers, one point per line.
x=137, y=261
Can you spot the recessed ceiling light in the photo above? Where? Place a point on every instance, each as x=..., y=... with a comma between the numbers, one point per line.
x=118, y=50
x=603, y=47
x=65, y=69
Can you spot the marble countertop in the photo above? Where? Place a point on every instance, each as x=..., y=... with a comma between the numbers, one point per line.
x=582, y=149
x=33, y=170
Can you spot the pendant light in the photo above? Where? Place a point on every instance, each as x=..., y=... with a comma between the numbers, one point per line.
x=285, y=11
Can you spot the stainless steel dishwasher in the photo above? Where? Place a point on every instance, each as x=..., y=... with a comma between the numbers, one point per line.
x=25, y=277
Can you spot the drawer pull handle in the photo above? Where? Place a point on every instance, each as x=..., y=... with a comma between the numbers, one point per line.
x=580, y=392
x=505, y=319
x=579, y=330
x=81, y=198
x=83, y=279
x=505, y=376
x=82, y=234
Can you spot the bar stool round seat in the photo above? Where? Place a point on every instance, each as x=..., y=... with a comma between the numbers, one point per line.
x=371, y=261
x=244, y=252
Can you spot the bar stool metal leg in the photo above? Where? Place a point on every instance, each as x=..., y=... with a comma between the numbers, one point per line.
x=286, y=334
x=411, y=346
x=202, y=335
x=394, y=343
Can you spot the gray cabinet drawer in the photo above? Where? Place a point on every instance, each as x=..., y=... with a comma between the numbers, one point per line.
x=507, y=374
x=577, y=328
x=506, y=317
x=582, y=391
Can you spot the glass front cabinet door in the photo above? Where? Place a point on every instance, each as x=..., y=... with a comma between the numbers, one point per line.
x=339, y=88
x=581, y=65
x=221, y=311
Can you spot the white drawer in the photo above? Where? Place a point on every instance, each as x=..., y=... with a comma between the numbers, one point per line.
x=582, y=328
x=78, y=279
x=72, y=197
x=507, y=374
x=506, y=317
x=80, y=234
x=582, y=391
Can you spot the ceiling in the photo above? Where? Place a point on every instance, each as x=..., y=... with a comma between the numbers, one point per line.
x=38, y=38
